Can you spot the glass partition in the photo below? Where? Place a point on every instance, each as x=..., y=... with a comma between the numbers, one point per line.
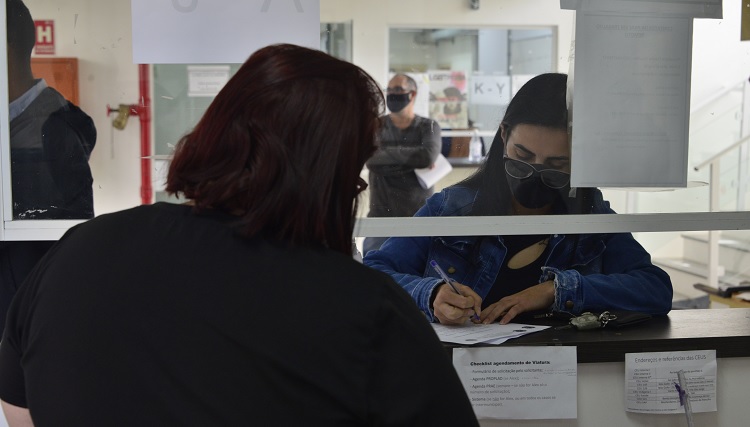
x=53, y=150
x=506, y=43
x=484, y=67
x=183, y=92
x=336, y=39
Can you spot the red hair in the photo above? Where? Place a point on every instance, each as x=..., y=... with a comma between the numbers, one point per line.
x=282, y=146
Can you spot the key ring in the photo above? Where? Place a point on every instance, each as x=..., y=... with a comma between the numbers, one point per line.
x=605, y=317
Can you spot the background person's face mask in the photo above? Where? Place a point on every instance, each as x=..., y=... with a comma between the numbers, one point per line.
x=397, y=101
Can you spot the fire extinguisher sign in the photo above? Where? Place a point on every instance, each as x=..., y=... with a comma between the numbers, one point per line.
x=45, y=37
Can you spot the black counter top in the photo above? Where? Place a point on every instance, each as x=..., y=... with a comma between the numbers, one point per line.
x=725, y=330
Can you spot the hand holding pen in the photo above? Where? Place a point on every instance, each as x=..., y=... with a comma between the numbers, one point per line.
x=454, y=306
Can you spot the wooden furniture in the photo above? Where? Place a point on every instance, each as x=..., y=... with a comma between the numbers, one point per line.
x=732, y=302
x=59, y=73
x=460, y=146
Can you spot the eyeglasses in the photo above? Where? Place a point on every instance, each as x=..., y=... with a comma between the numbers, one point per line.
x=552, y=178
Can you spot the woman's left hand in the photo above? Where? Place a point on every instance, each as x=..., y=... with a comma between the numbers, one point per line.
x=537, y=297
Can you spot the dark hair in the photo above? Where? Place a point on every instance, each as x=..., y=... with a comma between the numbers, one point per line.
x=540, y=102
x=21, y=31
x=282, y=145
x=410, y=82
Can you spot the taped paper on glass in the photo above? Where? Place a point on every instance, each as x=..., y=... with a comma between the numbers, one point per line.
x=631, y=102
x=219, y=31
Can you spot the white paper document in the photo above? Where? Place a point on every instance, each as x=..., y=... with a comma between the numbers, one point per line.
x=219, y=31
x=631, y=101
x=207, y=80
x=651, y=378
x=428, y=177
x=520, y=383
x=494, y=333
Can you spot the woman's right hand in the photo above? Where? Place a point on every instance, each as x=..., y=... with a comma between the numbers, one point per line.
x=453, y=309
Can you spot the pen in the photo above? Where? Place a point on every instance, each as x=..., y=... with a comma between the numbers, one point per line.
x=448, y=280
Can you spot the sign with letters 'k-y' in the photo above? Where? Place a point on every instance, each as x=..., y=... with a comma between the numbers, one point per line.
x=219, y=31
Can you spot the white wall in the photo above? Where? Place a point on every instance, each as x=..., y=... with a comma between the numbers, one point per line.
x=98, y=32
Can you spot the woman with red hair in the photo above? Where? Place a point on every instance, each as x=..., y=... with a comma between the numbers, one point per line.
x=244, y=305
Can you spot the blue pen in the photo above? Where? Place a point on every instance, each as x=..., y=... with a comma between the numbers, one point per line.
x=448, y=280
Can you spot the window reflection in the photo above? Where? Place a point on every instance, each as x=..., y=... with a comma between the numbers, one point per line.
x=464, y=81
x=484, y=46
x=51, y=138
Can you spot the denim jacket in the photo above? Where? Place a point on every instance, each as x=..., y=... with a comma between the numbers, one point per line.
x=604, y=271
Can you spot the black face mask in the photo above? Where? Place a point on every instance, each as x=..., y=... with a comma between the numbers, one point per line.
x=397, y=101
x=531, y=192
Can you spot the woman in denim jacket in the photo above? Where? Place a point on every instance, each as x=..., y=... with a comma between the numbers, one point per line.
x=527, y=172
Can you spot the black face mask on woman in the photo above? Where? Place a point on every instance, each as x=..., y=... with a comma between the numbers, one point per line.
x=397, y=101
x=531, y=192
x=533, y=186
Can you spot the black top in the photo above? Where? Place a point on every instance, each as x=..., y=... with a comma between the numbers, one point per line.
x=157, y=316
x=50, y=145
x=51, y=142
x=393, y=185
x=513, y=280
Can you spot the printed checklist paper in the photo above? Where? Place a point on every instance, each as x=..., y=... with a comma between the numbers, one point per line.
x=493, y=333
x=520, y=383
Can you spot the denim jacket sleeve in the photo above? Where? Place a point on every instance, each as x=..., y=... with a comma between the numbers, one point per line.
x=621, y=277
x=608, y=271
x=405, y=259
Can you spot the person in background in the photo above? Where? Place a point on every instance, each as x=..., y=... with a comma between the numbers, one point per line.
x=527, y=172
x=51, y=140
x=407, y=142
x=243, y=305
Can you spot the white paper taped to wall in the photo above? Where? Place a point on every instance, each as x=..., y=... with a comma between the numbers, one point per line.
x=219, y=31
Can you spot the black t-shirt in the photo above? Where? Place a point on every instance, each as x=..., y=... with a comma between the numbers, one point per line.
x=157, y=316
x=393, y=185
x=513, y=280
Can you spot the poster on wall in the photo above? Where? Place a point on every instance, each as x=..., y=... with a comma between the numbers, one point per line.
x=219, y=31
x=448, y=99
x=206, y=80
